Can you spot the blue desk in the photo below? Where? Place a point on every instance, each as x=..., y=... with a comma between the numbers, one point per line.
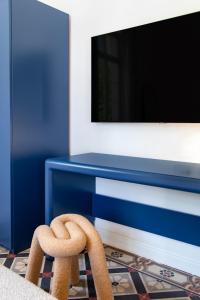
x=70, y=187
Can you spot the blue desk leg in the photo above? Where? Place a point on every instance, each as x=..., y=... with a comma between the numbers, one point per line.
x=48, y=195
x=67, y=192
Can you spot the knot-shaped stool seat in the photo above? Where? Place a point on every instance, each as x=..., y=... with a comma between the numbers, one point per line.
x=67, y=236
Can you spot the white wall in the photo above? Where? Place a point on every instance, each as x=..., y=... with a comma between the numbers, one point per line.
x=93, y=17
x=164, y=141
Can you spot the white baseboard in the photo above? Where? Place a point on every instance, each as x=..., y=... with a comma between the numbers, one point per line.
x=173, y=253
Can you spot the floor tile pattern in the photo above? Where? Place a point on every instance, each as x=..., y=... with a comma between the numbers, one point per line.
x=171, y=275
x=132, y=277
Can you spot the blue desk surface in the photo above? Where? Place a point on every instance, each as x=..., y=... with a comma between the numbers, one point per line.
x=163, y=173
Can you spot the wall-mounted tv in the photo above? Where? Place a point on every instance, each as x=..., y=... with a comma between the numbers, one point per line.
x=149, y=73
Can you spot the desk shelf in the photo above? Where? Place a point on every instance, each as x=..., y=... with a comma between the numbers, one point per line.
x=162, y=173
x=70, y=188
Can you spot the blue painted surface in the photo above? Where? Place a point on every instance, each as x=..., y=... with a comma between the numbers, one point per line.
x=164, y=167
x=161, y=173
x=72, y=193
x=171, y=224
x=65, y=193
x=5, y=143
x=39, y=109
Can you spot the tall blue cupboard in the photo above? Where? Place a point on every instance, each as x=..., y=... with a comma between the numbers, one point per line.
x=33, y=111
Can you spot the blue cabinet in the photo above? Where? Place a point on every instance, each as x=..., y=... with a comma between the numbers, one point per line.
x=33, y=111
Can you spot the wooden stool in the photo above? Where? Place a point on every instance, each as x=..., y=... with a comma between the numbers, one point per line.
x=67, y=236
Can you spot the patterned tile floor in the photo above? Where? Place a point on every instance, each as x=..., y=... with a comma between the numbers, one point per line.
x=132, y=277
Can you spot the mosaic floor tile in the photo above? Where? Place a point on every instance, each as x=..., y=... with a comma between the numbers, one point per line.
x=25, y=251
x=3, y=250
x=113, y=265
x=132, y=277
x=122, y=284
x=81, y=290
x=154, y=285
x=193, y=284
x=2, y=261
x=128, y=259
x=19, y=265
x=119, y=255
x=149, y=267
x=167, y=273
x=82, y=265
x=176, y=298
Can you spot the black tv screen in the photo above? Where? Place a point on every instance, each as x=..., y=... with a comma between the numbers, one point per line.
x=149, y=73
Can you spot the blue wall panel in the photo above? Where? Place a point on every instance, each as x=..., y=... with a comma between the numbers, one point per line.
x=164, y=222
x=38, y=104
x=5, y=197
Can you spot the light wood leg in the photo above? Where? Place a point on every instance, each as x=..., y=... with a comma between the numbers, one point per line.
x=100, y=272
x=75, y=272
x=34, y=261
x=61, y=278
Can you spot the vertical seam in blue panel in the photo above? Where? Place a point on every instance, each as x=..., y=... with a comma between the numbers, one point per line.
x=11, y=126
x=68, y=86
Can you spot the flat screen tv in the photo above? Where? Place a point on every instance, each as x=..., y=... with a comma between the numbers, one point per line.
x=149, y=73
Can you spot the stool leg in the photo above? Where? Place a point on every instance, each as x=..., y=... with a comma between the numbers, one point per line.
x=75, y=275
x=34, y=261
x=100, y=273
x=61, y=278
